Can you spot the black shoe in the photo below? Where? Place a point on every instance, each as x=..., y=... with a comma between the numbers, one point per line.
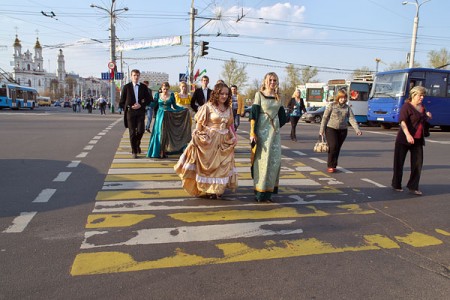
x=148, y=130
x=134, y=155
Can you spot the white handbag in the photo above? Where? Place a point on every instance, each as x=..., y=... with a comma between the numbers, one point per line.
x=321, y=145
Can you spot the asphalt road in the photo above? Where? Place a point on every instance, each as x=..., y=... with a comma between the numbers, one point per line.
x=79, y=219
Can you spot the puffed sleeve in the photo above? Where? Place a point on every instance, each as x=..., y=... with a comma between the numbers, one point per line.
x=202, y=115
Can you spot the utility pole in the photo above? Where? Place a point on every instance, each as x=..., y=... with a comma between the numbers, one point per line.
x=412, y=54
x=112, y=12
x=191, y=46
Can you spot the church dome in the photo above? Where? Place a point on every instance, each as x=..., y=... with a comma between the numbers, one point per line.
x=38, y=45
x=17, y=42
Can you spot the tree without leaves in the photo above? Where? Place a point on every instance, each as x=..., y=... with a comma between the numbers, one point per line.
x=308, y=73
x=439, y=58
x=233, y=73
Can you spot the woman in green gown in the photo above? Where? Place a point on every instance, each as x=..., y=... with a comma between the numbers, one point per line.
x=267, y=117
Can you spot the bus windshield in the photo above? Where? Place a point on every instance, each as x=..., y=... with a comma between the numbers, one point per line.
x=391, y=85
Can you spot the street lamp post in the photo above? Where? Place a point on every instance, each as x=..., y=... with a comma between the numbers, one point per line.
x=112, y=12
x=412, y=53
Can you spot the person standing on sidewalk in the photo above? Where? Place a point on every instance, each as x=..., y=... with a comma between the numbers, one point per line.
x=334, y=125
x=133, y=99
x=201, y=95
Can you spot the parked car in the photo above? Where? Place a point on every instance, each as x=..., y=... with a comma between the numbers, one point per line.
x=57, y=104
x=313, y=114
x=247, y=111
x=67, y=104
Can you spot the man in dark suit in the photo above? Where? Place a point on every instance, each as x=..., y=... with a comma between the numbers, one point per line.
x=133, y=99
x=201, y=95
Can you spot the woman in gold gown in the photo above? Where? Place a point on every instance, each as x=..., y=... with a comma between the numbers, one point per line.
x=207, y=165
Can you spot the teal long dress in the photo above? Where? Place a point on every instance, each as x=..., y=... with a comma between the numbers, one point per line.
x=171, y=129
x=269, y=116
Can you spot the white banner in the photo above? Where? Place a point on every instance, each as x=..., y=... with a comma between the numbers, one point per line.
x=169, y=41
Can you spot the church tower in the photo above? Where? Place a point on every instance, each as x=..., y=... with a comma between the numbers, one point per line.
x=38, y=59
x=17, y=53
x=61, y=70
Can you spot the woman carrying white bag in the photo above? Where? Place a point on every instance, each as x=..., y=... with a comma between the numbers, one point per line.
x=334, y=125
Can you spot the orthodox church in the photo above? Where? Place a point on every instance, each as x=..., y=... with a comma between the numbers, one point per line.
x=29, y=70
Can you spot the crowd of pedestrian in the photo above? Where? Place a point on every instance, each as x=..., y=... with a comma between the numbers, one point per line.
x=206, y=165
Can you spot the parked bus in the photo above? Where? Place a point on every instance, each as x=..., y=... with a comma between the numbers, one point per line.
x=313, y=94
x=391, y=89
x=358, y=91
x=15, y=96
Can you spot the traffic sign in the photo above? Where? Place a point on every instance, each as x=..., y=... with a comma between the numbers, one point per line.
x=111, y=65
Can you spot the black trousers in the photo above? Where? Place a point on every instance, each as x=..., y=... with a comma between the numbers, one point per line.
x=416, y=153
x=335, y=139
x=136, y=127
x=294, y=121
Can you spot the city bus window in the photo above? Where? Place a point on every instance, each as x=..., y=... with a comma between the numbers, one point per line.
x=436, y=84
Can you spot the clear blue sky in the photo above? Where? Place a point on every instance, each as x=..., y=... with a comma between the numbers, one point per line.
x=341, y=35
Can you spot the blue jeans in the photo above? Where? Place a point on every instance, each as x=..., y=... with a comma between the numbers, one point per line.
x=149, y=112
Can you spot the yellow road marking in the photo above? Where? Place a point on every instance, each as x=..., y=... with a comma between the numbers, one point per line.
x=115, y=262
x=417, y=239
x=115, y=220
x=443, y=232
x=143, y=165
x=285, y=212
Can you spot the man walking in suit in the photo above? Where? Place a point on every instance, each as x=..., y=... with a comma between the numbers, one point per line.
x=201, y=95
x=133, y=99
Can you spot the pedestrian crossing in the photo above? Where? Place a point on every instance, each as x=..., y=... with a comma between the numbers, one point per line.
x=142, y=208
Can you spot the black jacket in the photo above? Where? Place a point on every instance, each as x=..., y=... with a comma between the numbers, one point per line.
x=198, y=98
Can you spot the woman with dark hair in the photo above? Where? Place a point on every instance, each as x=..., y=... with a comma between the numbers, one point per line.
x=207, y=166
x=410, y=137
x=296, y=108
x=266, y=119
x=172, y=127
x=334, y=125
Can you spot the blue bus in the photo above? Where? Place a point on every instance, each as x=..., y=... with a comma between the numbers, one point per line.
x=391, y=88
x=16, y=96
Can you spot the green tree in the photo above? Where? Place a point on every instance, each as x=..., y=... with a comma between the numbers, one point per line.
x=439, y=58
x=234, y=73
x=291, y=82
x=71, y=84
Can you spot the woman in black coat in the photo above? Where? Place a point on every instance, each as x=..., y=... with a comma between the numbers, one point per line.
x=296, y=108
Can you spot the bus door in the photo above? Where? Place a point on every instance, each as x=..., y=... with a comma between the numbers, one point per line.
x=358, y=100
x=436, y=100
x=13, y=98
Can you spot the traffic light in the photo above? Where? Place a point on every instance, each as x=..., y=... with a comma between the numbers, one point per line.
x=204, y=48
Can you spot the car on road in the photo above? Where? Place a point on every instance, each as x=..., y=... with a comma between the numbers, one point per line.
x=67, y=104
x=247, y=111
x=57, y=104
x=313, y=114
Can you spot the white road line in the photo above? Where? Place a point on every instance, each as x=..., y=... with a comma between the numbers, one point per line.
x=101, y=133
x=44, y=196
x=183, y=204
x=299, y=153
x=20, y=223
x=319, y=160
x=93, y=142
x=373, y=182
x=168, y=170
x=62, y=176
x=88, y=147
x=305, y=169
x=186, y=234
x=82, y=154
x=344, y=170
x=137, y=185
x=97, y=137
x=74, y=164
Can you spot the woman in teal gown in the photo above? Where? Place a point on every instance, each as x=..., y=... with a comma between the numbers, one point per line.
x=266, y=119
x=172, y=127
